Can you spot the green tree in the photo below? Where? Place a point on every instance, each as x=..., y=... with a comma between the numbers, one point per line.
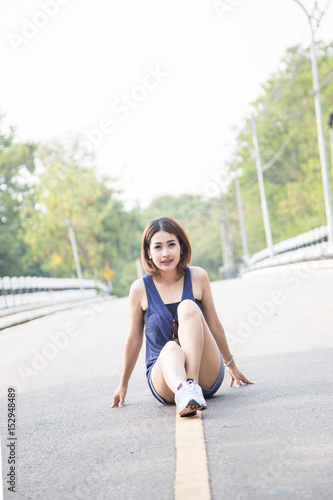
x=103, y=229
x=286, y=124
x=16, y=166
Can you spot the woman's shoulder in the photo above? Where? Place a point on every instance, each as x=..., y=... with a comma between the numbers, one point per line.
x=200, y=281
x=201, y=286
x=137, y=290
x=198, y=273
x=137, y=295
x=137, y=287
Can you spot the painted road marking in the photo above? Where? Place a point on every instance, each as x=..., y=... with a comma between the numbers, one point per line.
x=192, y=476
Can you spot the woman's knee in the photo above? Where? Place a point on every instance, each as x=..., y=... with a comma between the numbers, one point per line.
x=171, y=348
x=188, y=309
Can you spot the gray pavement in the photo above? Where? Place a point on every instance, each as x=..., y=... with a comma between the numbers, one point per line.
x=269, y=440
x=12, y=316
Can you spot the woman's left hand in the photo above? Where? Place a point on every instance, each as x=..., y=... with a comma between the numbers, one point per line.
x=237, y=376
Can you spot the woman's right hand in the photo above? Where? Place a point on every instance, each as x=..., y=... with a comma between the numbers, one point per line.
x=119, y=397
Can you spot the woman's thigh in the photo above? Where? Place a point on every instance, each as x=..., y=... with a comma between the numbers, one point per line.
x=211, y=359
x=208, y=393
x=154, y=392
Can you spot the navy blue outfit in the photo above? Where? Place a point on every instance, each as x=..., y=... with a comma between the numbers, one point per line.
x=158, y=327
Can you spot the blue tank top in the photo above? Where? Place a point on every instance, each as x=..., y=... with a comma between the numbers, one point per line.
x=158, y=321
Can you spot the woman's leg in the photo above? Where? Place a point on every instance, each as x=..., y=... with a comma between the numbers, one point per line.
x=202, y=355
x=169, y=371
x=198, y=357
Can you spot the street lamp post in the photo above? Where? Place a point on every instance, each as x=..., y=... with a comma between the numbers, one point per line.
x=241, y=215
x=74, y=248
x=265, y=214
x=240, y=210
x=320, y=130
x=330, y=123
x=226, y=241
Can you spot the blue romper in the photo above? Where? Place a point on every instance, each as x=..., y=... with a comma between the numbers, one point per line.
x=158, y=329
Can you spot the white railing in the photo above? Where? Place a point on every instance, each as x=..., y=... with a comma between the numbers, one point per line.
x=306, y=246
x=25, y=290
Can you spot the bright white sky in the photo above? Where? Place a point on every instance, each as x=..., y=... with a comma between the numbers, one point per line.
x=71, y=72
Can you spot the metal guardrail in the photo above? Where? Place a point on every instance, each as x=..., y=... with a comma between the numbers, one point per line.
x=306, y=246
x=23, y=290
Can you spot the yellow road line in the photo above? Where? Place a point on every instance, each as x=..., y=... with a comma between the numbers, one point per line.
x=192, y=476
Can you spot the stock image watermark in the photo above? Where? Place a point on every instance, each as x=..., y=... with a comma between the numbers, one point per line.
x=121, y=108
x=283, y=461
x=220, y=181
x=225, y=7
x=262, y=310
x=31, y=26
x=11, y=446
x=57, y=342
x=267, y=308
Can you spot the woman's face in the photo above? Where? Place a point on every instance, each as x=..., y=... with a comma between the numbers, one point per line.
x=165, y=250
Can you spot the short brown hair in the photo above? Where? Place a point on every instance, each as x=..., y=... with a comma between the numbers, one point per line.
x=169, y=225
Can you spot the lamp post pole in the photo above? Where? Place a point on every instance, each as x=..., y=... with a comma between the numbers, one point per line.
x=320, y=130
x=226, y=240
x=74, y=248
x=241, y=215
x=240, y=210
x=330, y=123
x=265, y=214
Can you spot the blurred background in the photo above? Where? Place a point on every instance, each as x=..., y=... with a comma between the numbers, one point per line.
x=113, y=113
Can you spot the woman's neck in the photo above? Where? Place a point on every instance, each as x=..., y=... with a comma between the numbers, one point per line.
x=168, y=278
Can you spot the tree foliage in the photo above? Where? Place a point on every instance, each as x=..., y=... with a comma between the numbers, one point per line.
x=286, y=123
x=43, y=186
x=64, y=193
x=16, y=167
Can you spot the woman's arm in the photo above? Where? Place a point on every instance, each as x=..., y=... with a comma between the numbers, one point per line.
x=133, y=342
x=216, y=327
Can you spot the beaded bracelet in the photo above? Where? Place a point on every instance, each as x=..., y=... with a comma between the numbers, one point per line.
x=230, y=362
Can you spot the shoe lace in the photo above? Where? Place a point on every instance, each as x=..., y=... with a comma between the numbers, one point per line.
x=191, y=383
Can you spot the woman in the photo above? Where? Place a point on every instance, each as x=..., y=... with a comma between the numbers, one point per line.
x=186, y=347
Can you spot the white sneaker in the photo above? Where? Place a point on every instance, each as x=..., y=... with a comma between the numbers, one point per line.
x=189, y=398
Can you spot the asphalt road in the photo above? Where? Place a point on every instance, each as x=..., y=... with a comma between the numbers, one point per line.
x=269, y=440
